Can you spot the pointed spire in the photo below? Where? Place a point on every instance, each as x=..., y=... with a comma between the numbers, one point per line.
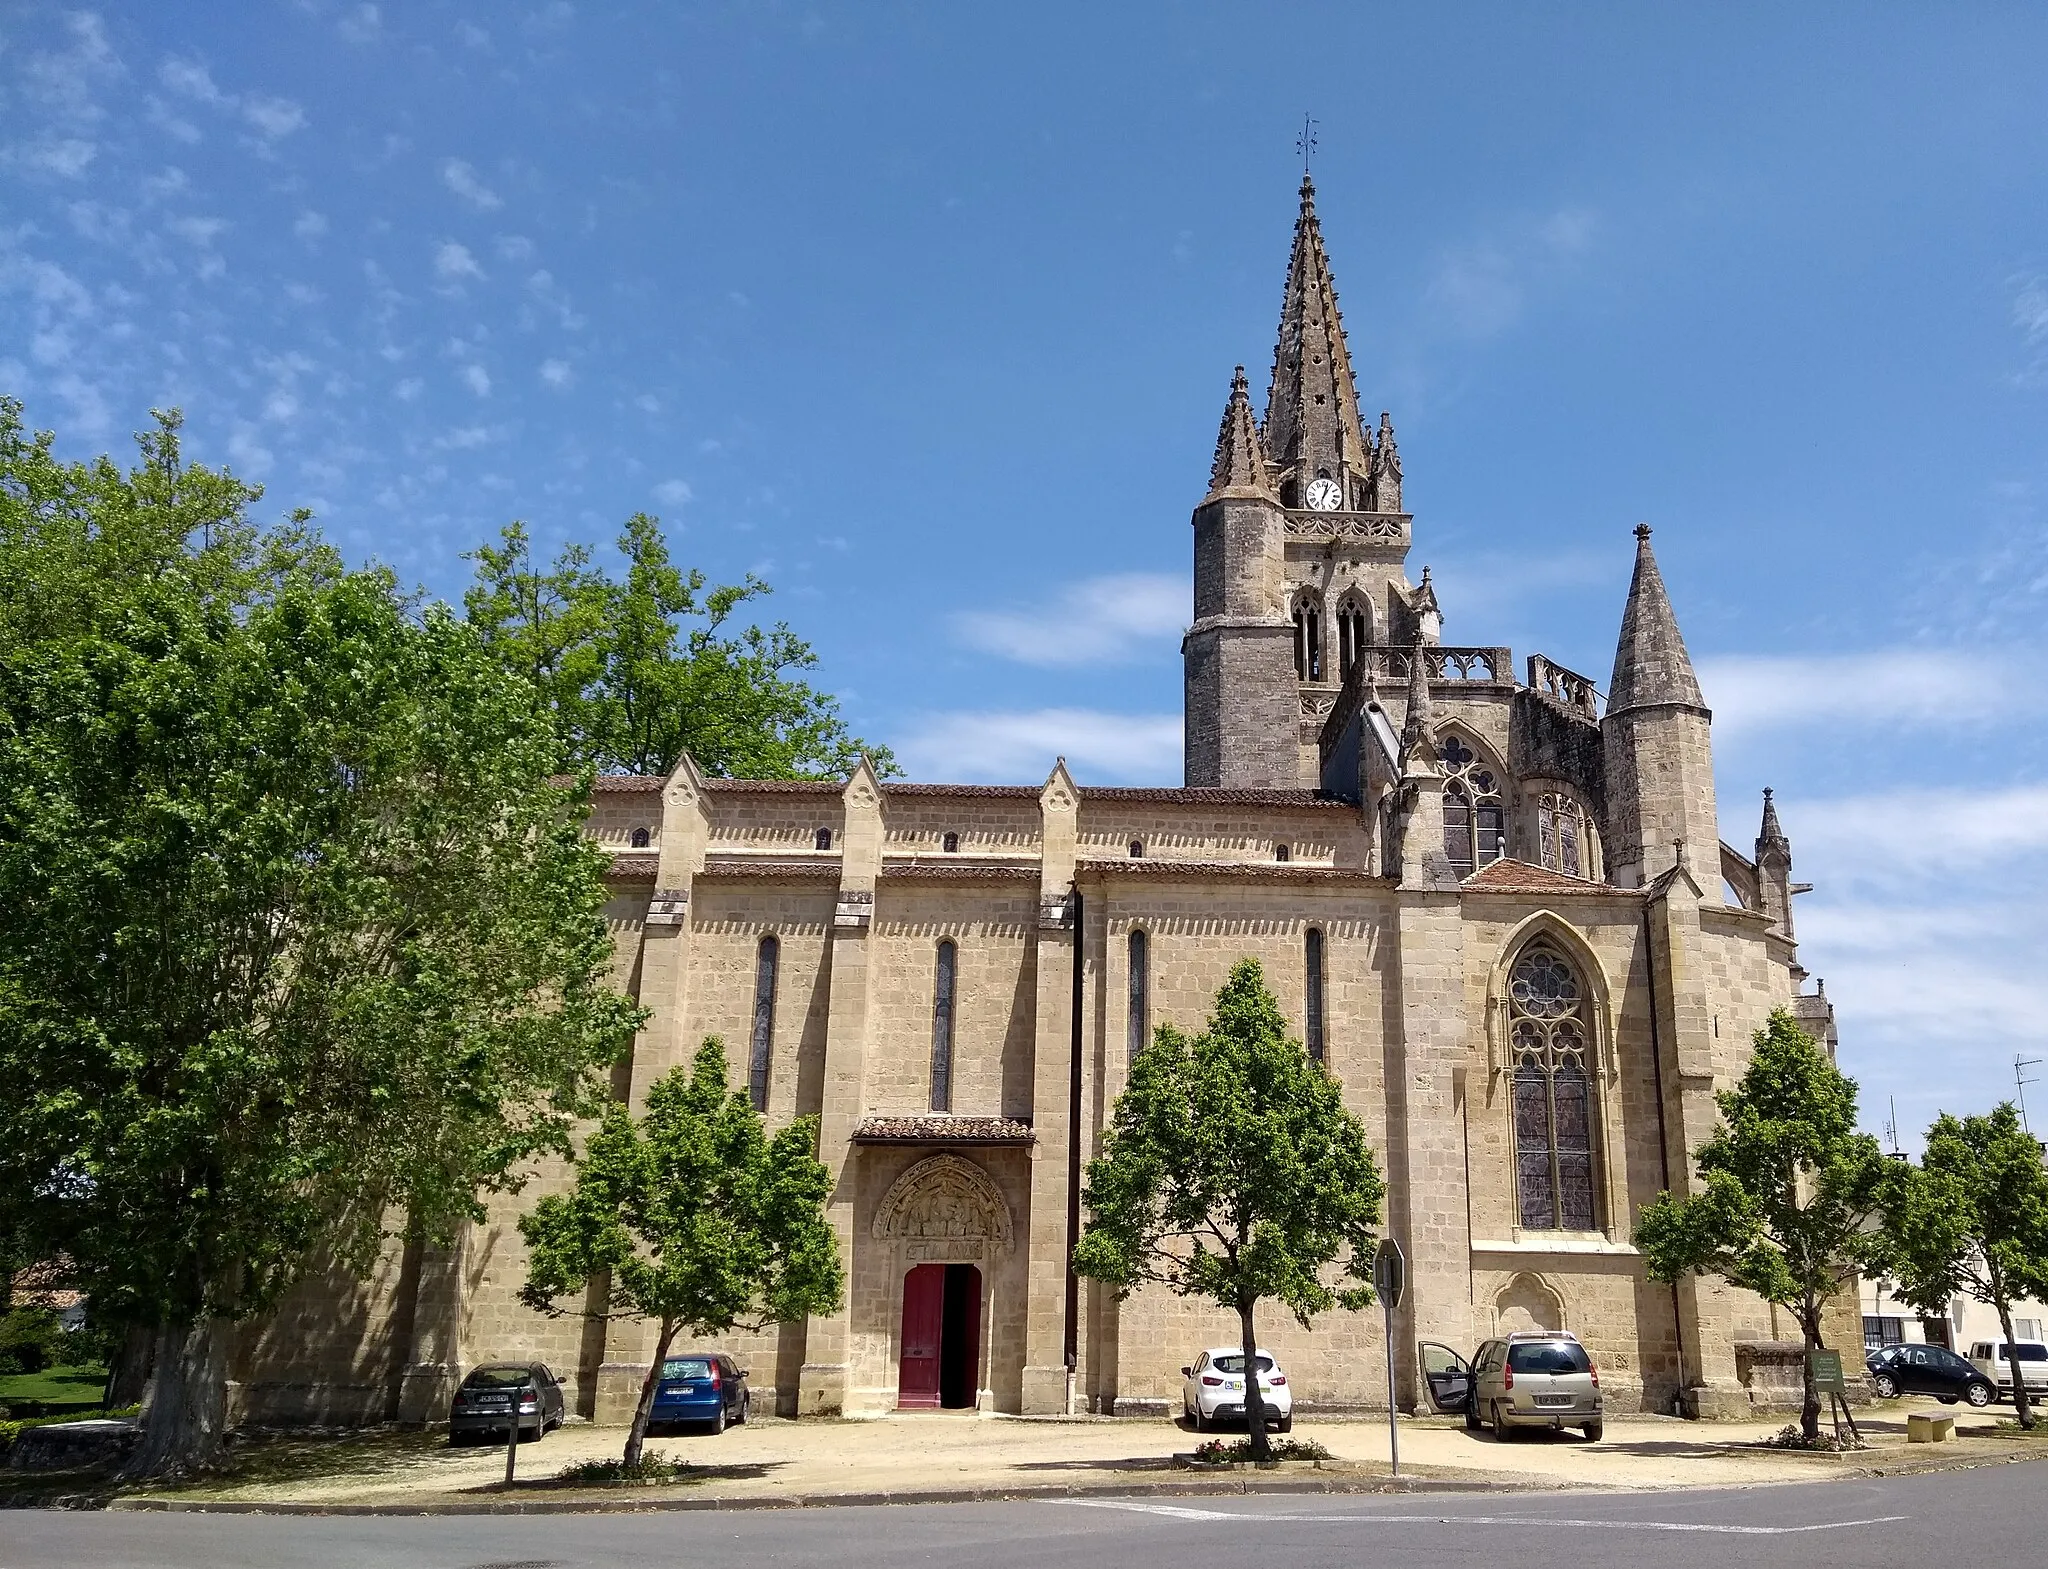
x=1417, y=727
x=1386, y=468
x=1770, y=833
x=1312, y=425
x=1240, y=468
x=1650, y=663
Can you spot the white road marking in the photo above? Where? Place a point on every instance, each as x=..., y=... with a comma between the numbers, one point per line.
x=1182, y=1512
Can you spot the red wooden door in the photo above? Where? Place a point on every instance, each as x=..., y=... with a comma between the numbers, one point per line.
x=924, y=1317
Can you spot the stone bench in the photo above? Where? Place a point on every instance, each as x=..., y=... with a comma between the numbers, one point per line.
x=1930, y=1427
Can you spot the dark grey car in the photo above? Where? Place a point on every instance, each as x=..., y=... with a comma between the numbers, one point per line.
x=497, y=1394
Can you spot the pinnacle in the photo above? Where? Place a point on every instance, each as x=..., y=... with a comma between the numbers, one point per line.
x=1415, y=728
x=1240, y=468
x=1651, y=666
x=1771, y=829
x=1312, y=426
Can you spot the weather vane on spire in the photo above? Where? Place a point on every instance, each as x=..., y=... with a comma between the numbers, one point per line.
x=1305, y=143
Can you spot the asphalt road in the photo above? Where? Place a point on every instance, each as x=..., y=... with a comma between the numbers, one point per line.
x=1993, y=1516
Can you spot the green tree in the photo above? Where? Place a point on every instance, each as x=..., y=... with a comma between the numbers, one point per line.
x=1972, y=1220
x=302, y=944
x=1789, y=1191
x=1233, y=1173
x=690, y=1216
x=638, y=669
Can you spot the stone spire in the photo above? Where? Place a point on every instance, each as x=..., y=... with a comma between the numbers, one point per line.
x=1312, y=426
x=1416, y=728
x=1651, y=668
x=1240, y=468
x=1771, y=833
x=1385, y=493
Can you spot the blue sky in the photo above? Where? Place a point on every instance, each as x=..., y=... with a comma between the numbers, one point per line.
x=926, y=314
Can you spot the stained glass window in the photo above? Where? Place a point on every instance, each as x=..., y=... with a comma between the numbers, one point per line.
x=1475, y=825
x=1564, y=837
x=1553, y=1103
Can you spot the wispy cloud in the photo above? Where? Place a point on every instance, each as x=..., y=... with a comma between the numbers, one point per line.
x=1020, y=747
x=673, y=492
x=1099, y=620
x=1905, y=835
x=454, y=262
x=1756, y=692
x=463, y=180
x=1479, y=288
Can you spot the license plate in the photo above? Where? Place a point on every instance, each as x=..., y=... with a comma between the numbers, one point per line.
x=1553, y=1400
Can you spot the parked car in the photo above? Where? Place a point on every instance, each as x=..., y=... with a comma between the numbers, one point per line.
x=1532, y=1378
x=1927, y=1370
x=701, y=1386
x=498, y=1393
x=1212, y=1390
x=1990, y=1358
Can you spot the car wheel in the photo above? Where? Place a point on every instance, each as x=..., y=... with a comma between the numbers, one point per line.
x=746, y=1405
x=1595, y=1431
x=1285, y=1424
x=1886, y=1386
x=1500, y=1426
x=457, y=1440
x=718, y=1420
x=1979, y=1395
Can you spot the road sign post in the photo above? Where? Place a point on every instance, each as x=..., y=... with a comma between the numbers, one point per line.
x=1389, y=1277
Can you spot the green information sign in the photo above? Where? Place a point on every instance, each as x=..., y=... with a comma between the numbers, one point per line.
x=1827, y=1372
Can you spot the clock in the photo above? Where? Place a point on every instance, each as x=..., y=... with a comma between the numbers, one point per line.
x=1325, y=494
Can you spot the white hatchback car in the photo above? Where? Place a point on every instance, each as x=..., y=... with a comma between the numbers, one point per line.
x=1212, y=1390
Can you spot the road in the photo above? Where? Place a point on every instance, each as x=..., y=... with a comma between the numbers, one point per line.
x=1989, y=1516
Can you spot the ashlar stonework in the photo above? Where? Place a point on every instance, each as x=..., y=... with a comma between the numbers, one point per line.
x=1501, y=916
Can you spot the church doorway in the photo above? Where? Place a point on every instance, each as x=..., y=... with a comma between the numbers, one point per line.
x=941, y=1338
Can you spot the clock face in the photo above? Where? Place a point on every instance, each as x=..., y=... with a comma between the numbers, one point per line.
x=1325, y=494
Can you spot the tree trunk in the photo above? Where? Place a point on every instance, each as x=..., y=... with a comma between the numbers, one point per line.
x=1809, y=1400
x=128, y=1377
x=2022, y=1406
x=636, y=1435
x=184, y=1430
x=1254, y=1402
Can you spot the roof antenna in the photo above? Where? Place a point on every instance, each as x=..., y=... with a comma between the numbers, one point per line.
x=1305, y=143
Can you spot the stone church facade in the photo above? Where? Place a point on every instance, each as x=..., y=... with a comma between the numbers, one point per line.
x=1495, y=906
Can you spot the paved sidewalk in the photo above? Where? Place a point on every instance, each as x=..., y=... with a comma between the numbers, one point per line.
x=926, y=1455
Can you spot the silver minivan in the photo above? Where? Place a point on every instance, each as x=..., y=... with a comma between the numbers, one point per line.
x=1532, y=1378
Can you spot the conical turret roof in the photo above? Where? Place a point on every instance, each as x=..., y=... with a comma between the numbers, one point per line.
x=1312, y=419
x=1240, y=468
x=1651, y=666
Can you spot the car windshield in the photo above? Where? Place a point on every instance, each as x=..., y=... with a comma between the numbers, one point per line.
x=1235, y=1364
x=686, y=1367
x=498, y=1378
x=1547, y=1356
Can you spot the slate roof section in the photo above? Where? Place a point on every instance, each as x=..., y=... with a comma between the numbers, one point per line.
x=1511, y=876
x=940, y=1128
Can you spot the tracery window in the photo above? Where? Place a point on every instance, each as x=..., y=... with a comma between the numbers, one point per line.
x=1140, y=982
x=1474, y=819
x=1308, y=638
x=1564, y=837
x=1553, y=1100
x=1312, y=957
x=942, y=1028
x=1353, y=634
x=760, y=1047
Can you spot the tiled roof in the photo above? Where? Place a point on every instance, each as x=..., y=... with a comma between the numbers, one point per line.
x=982, y=791
x=633, y=868
x=826, y=867
x=621, y=784
x=1208, y=797
x=959, y=869
x=1268, y=871
x=1511, y=876
x=776, y=786
x=940, y=1128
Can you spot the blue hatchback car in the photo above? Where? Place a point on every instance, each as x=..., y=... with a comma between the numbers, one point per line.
x=700, y=1387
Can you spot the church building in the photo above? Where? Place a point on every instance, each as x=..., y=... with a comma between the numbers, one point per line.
x=1494, y=903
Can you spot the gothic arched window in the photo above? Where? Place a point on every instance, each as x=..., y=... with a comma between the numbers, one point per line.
x=950, y=843
x=1354, y=632
x=823, y=839
x=1564, y=836
x=1312, y=963
x=1553, y=1096
x=639, y=838
x=942, y=1027
x=1474, y=820
x=1308, y=638
x=1140, y=984
x=760, y=1048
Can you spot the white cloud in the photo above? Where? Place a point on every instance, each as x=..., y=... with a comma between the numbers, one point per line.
x=273, y=117
x=463, y=180
x=1096, y=621
x=1479, y=288
x=471, y=36
x=409, y=389
x=515, y=248
x=1932, y=833
x=361, y=24
x=1754, y=692
x=477, y=379
x=197, y=231
x=1019, y=748
x=310, y=226
x=65, y=157
x=191, y=79
x=556, y=373
x=453, y=262
x=673, y=492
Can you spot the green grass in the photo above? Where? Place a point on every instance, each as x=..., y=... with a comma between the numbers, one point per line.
x=56, y=1387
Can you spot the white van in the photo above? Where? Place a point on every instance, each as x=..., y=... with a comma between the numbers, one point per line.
x=1989, y=1358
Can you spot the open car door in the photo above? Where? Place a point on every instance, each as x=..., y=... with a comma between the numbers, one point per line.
x=1448, y=1376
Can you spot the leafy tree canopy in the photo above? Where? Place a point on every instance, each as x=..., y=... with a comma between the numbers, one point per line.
x=692, y=1217
x=1972, y=1221
x=636, y=670
x=1234, y=1173
x=300, y=937
x=1789, y=1189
